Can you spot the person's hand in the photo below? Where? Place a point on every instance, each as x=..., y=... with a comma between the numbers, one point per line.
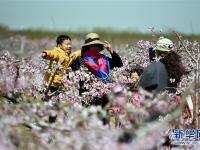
x=107, y=45
x=43, y=54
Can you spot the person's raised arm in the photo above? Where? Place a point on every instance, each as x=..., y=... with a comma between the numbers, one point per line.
x=49, y=54
x=115, y=61
x=108, y=47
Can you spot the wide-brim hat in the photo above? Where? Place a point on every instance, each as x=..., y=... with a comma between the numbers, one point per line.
x=164, y=45
x=92, y=38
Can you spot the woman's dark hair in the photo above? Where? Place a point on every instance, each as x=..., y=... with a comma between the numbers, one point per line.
x=174, y=66
x=61, y=38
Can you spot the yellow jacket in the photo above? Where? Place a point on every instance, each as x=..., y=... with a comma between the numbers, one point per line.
x=60, y=57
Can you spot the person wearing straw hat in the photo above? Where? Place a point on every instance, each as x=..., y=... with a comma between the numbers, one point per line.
x=61, y=58
x=166, y=71
x=99, y=64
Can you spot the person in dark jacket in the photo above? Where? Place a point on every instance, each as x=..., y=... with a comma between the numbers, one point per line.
x=166, y=72
x=97, y=63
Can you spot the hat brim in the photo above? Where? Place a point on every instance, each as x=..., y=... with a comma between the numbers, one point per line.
x=161, y=49
x=94, y=42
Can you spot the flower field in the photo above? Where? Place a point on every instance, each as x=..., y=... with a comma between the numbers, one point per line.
x=73, y=121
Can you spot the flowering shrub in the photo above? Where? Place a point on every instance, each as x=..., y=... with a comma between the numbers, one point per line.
x=70, y=119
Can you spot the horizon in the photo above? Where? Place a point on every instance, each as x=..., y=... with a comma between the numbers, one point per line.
x=86, y=15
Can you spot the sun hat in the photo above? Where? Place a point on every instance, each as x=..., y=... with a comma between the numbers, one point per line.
x=164, y=45
x=92, y=38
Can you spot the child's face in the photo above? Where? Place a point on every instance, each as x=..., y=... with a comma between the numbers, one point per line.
x=134, y=77
x=66, y=46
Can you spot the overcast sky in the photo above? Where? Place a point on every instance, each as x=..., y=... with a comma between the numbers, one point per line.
x=138, y=15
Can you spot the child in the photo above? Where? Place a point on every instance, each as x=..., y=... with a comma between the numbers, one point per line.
x=63, y=57
x=135, y=73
